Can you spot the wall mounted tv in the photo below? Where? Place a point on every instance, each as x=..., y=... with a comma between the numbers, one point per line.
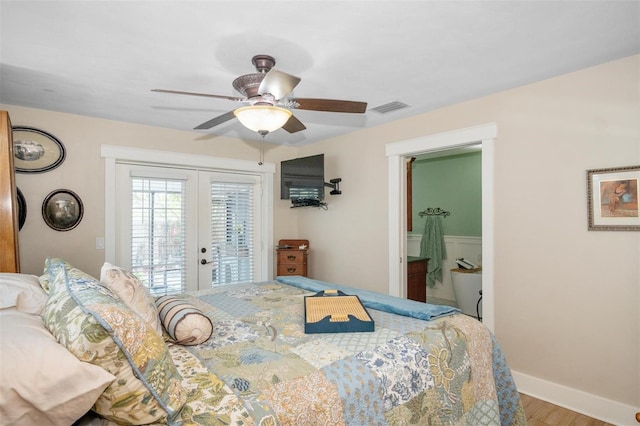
x=302, y=178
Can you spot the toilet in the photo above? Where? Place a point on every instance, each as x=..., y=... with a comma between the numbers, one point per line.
x=467, y=288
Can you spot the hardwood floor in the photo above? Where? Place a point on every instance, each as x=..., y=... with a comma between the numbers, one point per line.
x=541, y=413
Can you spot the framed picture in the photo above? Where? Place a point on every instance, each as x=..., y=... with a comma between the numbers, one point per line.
x=22, y=209
x=612, y=199
x=62, y=210
x=36, y=151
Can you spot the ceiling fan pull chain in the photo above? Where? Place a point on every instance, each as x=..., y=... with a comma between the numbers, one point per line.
x=261, y=152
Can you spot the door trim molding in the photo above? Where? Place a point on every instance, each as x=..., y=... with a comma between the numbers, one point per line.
x=113, y=154
x=141, y=155
x=396, y=153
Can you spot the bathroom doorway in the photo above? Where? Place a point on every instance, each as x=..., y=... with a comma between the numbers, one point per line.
x=444, y=204
x=397, y=153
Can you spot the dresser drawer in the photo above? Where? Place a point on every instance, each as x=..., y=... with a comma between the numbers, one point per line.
x=292, y=256
x=292, y=269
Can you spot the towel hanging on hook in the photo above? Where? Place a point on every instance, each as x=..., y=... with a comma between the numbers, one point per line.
x=432, y=246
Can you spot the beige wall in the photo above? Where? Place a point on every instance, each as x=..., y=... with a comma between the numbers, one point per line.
x=566, y=299
x=83, y=173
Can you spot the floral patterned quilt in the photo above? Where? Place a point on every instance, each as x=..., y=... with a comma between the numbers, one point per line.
x=264, y=370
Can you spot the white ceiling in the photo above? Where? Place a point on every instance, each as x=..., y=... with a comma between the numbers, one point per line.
x=101, y=59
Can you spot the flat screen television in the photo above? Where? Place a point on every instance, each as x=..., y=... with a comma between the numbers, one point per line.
x=302, y=178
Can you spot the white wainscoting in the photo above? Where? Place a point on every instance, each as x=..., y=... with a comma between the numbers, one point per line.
x=468, y=247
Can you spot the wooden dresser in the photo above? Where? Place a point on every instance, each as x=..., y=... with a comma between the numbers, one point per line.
x=9, y=251
x=292, y=260
x=417, y=278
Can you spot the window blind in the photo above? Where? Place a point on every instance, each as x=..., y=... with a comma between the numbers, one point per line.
x=158, y=255
x=232, y=232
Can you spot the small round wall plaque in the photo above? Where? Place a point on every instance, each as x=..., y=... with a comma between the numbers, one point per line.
x=62, y=210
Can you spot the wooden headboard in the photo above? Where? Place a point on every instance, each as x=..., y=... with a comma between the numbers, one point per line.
x=9, y=251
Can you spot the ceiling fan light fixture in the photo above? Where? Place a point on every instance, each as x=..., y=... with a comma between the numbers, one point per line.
x=262, y=118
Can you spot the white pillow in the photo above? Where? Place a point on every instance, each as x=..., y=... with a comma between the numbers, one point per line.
x=132, y=292
x=21, y=292
x=42, y=382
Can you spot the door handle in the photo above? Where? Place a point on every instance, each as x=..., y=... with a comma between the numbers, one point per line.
x=204, y=261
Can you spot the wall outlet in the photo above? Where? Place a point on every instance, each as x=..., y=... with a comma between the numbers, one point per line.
x=100, y=243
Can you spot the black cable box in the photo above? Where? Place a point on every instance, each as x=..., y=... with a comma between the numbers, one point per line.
x=305, y=202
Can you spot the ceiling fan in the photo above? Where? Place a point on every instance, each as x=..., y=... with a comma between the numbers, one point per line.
x=266, y=92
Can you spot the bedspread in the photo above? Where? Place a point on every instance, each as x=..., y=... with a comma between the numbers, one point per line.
x=264, y=370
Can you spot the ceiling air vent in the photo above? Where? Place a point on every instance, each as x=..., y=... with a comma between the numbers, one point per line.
x=389, y=107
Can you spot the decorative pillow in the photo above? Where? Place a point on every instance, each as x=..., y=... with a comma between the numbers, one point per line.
x=42, y=382
x=185, y=323
x=45, y=279
x=44, y=282
x=97, y=327
x=132, y=292
x=21, y=292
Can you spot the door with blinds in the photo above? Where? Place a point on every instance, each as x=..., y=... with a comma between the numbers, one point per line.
x=181, y=229
x=229, y=242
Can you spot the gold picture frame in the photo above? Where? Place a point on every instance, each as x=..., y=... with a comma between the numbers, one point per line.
x=612, y=199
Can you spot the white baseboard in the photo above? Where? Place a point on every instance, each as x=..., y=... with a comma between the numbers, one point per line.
x=575, y=400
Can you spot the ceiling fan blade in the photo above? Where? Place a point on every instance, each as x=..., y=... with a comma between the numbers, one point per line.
x=206, y=95
x=328, y=105
x=215, y=121
x=293, y=125
x=278, y=83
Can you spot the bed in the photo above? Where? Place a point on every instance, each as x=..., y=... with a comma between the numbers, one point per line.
x=254, y=364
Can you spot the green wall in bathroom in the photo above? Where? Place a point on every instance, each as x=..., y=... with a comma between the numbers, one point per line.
x=454, y=184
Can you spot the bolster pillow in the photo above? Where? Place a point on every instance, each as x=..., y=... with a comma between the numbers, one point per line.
x=185, y=324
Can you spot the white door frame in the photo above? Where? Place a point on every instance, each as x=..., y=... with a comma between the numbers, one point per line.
x=397, y=153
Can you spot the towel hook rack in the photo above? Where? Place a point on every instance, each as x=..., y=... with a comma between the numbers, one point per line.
x=434, y=212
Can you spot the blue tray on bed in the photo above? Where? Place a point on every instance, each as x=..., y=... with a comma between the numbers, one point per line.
x=332, y=311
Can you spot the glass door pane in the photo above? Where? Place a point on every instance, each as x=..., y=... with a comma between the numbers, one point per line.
x=229, y=242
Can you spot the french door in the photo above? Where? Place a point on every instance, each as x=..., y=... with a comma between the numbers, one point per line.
x=228, y=228
x=185, y=229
